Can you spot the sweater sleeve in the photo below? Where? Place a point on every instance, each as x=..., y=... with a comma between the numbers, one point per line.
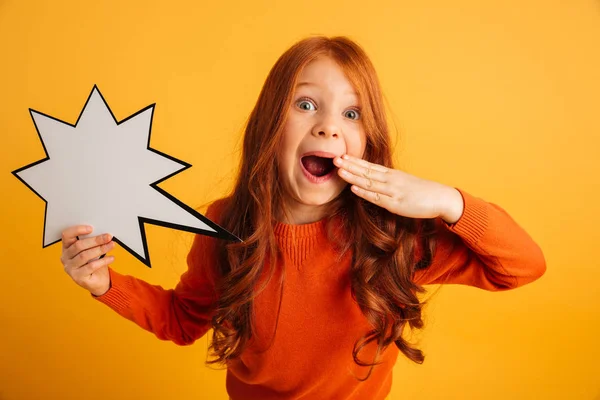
x=485, y=248
x=182, y=314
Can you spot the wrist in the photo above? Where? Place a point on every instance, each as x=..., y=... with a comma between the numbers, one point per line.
x=100, y=292
x=454, y=206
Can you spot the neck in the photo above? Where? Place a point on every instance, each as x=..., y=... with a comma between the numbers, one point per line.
x=300, y=214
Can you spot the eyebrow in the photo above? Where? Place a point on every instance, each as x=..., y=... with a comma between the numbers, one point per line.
x=299, y=84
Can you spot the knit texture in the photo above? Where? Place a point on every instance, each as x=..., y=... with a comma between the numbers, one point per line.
x=305, y=352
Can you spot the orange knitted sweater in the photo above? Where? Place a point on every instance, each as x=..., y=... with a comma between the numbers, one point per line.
x=309, y=355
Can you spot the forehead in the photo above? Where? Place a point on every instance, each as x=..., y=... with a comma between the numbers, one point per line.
x=325, y=74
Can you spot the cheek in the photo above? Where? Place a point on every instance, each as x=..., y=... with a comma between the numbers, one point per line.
x=286, y=157
x=291, y=137
x=356, y=143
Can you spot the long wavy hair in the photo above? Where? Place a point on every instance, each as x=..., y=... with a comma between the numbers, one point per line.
x=382, y=243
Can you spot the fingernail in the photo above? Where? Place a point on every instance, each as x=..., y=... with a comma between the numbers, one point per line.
x=88, y=228
x=345, y=156
x=337, y=161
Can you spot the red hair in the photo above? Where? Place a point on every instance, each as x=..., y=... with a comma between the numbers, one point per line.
x=382, y=243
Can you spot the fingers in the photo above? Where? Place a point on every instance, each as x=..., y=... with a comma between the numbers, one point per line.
x=69, y=235
x=365, y=175
x=85, y=256
x=381, y=200
x=91, y=267
x=361, y=167
x=84, y=250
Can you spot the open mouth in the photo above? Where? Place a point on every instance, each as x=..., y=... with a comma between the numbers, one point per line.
x=318, y=166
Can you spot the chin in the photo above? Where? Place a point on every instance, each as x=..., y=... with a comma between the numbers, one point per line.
x=317, y=200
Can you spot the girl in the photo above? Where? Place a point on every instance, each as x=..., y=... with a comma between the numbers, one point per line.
x=336, y=244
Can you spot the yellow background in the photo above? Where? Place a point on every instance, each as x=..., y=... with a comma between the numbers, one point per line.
x=499, y=98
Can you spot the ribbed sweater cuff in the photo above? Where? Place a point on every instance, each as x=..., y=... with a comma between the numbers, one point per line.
x=474, y=221
x=118, y=296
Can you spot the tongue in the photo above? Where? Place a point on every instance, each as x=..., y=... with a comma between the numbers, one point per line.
x=317, y=166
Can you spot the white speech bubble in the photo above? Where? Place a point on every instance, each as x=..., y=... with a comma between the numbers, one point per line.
x=104, y=173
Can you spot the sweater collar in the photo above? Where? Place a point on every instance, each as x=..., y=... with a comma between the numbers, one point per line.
x=312, y=229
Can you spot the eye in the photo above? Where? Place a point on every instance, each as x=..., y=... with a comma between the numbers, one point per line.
x=352, y=114
x=306, y=104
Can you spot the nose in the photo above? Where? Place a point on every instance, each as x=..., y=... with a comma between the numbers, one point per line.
x=326, y=127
